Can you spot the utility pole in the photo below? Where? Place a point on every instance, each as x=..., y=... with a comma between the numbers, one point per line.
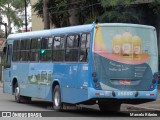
x=26, y=15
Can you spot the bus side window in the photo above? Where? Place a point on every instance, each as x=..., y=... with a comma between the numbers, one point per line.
x=58, y=48
x=28, y=47
x=84, y=49
x=8, y=57
x=46, y=49
x=72, y=48
x=16, y=50
x=35, y=49
x=22, y=50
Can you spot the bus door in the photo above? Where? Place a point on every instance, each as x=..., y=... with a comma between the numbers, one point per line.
x=44, y=79
x=40, y=75
x=7, y=69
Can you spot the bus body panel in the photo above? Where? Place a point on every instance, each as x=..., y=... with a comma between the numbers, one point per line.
x=7, y=73
x=7, y=84
x=95, y=94
x=76, y=89
x=125, y=57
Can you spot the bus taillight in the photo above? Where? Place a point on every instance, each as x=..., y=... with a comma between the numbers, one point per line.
x=154, y=81
x=95, y=80
x=155, y=76
x=151, y=94
x=94, y=74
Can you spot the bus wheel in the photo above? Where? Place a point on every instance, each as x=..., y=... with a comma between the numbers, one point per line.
x=18, y=97
x=109, y=107
x=17, y=94
x=57, y=105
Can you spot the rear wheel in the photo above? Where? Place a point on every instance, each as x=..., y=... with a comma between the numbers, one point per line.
x=18, y=97
x=109, y=106
x=57, y=105
x=16, y=94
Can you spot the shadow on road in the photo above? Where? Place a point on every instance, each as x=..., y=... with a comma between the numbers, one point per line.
x=75, y=112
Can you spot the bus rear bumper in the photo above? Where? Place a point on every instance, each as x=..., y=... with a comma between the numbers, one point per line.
x=93, y=93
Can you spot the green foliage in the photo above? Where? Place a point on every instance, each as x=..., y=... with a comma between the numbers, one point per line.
x=155, y=6
x=106, y=10
x=57, y=9
x=115, y=3
x=88, y=10
x=11, y=9
x=119, y=11
x=121, y=14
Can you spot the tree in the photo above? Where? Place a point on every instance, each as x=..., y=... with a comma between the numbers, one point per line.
x=120, y=11
x=73, y=8
x=12, y=10
x=46, y=14
x=90, y=11
x=155, y=6
x=57, y=9
x=70, y=12
x=129, y=11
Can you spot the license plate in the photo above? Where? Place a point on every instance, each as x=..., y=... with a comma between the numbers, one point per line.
x=125, y=82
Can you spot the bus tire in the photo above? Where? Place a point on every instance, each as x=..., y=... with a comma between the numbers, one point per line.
x=18, y=97
x=57, y=105
x=17, y=93
x=109, y=107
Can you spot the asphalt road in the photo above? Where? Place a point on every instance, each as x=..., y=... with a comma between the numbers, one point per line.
x=8, y=104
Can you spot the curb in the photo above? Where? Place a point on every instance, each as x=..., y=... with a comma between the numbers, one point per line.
x=135, y=108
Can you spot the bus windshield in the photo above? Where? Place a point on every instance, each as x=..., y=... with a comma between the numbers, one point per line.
x=124, y=56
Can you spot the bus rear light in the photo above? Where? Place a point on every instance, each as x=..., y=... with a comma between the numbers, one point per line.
x=94, y=74
x=154, y=81
x=95, y=80
x=97, y=93
x=155, y=76
x=151, y=94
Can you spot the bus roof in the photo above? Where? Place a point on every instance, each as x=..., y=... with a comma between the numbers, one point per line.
x=52, y=32
x=126, y=25
x=68, y=30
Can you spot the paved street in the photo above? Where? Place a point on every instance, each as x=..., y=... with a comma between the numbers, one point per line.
x=7, y=103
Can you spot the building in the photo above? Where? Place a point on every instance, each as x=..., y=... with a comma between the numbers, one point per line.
x=37, y=22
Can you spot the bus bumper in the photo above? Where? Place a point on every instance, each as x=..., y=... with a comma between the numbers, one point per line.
x=93, y=93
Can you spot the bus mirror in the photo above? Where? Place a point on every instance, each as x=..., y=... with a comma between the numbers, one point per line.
x=4, y=50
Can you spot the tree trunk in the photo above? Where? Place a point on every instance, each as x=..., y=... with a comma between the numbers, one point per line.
x=73, y=12
x=46, y=14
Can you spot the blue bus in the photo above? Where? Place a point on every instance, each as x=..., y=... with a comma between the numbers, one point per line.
x=101, y=63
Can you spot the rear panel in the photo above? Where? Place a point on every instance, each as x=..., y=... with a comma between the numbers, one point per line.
x=125, y=57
